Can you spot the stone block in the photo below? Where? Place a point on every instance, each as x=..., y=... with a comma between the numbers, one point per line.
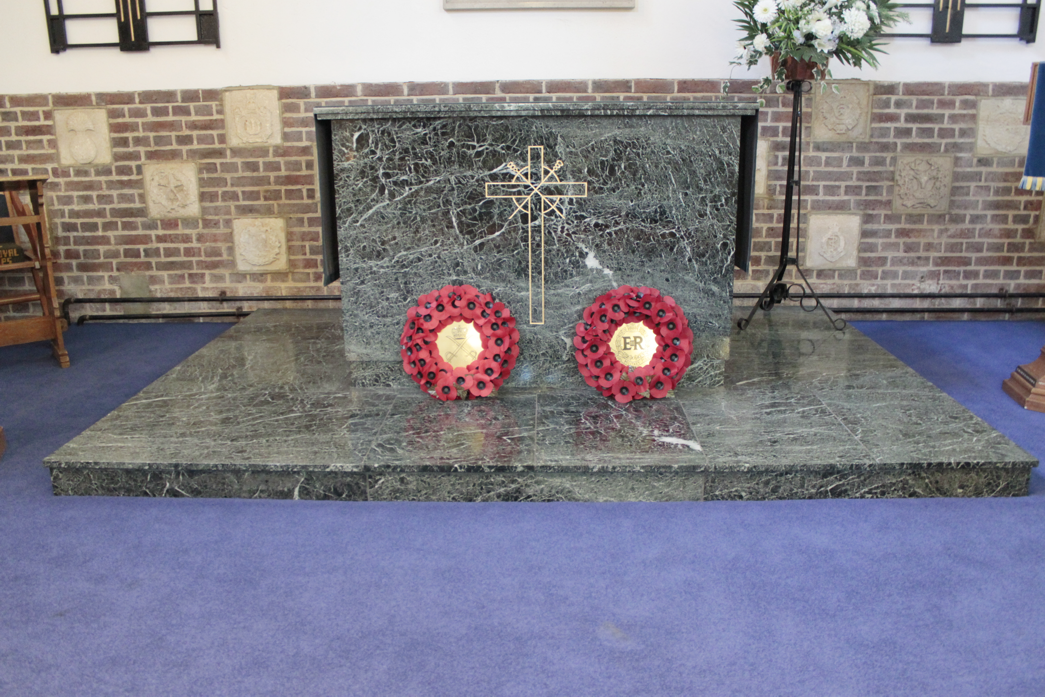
x=171, y=190
x=923, y=183
x=83, y=137
x=252, y=117
x=1000, y=129
x=844, y=115
x=832, y=241
x=762, y=168
x=260, y=244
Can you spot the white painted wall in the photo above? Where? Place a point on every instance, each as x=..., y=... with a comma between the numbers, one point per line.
x=291, y=42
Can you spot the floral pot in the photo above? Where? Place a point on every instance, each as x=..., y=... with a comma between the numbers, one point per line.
x=796, y=69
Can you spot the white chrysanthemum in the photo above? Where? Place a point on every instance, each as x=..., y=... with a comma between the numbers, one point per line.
x=856, y=23
x=790, y=4
x=872, y=9
x=822, y=28
x=825, y=46
x=765, y=11
x=799, y=37
x=760, y=43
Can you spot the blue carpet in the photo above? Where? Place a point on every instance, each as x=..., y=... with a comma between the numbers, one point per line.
x=105, y=596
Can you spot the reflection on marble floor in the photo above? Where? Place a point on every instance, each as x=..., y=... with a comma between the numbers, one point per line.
x=271, y=409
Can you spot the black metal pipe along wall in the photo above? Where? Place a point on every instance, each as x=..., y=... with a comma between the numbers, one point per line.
x=239, y=312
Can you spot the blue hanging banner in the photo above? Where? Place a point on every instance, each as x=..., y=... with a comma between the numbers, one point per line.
x=1034, y=172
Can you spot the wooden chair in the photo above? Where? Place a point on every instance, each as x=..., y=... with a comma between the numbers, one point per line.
x=33, y=221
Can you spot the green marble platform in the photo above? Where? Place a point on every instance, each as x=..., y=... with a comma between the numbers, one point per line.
x=272, y=409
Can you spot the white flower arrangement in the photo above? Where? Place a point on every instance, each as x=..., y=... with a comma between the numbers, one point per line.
x=813, y=31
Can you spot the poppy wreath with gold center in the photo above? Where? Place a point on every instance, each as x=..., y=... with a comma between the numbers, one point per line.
x=439, y=309
x=600, y=366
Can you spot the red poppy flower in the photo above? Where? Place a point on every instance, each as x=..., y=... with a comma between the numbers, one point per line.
x=488, y=369
x=482, y=387
x=608, y=375
x=463, y=380
x=596, y=349
x=659, y=387
x=662, y=312
x=445, y=388
x=624, y=391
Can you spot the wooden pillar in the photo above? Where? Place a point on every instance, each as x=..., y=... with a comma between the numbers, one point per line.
x=1027, y=384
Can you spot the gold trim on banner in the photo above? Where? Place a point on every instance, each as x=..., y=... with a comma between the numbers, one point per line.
x=536, y=179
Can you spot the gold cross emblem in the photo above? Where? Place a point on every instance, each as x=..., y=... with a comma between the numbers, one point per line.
x=536, y=190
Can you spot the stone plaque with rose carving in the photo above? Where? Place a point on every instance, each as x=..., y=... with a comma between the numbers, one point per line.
x=252, y=117
x=171, y=190
x=1000, y=129
x=845, y=115
x=923, y=183
x=260, y=244
x=83, y=137
x=832, y=241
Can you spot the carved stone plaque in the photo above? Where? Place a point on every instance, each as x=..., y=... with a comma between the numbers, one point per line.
x=762, y=168
x=833, y=241
x=845, y=115
x=1000, y=129
x=252, y=117
x=83, y=137
x=260, y=244
x=171, y=190
x=923, y=183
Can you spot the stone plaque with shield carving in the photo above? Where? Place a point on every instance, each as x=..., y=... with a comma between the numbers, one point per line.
x=83, y=137
x=260, y=244
x=832, y=241
x=844, y=115
x=252, y=117
x=171, y=190
x=923, y=183
x=1000, y=129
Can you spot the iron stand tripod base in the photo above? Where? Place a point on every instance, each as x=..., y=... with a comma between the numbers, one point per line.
x=777, y=291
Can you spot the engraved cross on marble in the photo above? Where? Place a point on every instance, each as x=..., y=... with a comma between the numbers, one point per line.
x=536, y=191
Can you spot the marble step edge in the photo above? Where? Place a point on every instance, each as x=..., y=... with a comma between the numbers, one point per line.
x=621, y=465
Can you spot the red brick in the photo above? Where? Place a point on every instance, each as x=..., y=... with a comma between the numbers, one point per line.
x=521, y=87
x=700, y=86
x=16, y=101
x=611, y=86
x=334, y=91
x=566, y=86
x=383, y=89
x=425, y=89
x=72, y=100
x=158, y=97
x=654, y=86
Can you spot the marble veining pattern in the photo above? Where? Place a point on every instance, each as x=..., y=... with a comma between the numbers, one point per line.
x=271, y=409
x=413, y=215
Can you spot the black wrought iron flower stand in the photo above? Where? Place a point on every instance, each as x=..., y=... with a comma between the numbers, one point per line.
x=777, y=290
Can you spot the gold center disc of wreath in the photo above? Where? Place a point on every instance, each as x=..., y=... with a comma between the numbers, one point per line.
x=459, y=343
x=634, y=344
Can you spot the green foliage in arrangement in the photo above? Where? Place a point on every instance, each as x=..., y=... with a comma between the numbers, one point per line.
x=813, y=31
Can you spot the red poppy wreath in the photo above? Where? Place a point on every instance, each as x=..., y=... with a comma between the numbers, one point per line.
x=634, y=343
x=459, y=343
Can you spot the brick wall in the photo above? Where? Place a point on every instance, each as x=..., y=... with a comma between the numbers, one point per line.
x=102, y=233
